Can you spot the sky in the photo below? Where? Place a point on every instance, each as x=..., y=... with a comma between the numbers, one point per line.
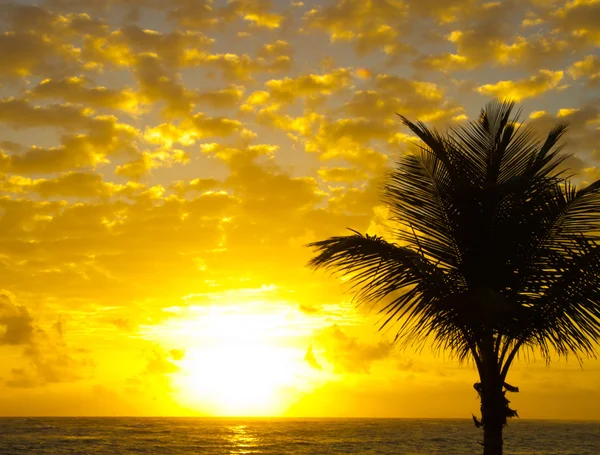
x=164, y=163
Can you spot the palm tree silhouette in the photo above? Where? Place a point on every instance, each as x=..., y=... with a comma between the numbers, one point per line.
x=496, y=253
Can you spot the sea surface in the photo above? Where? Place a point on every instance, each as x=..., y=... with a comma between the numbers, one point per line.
x=170, y=436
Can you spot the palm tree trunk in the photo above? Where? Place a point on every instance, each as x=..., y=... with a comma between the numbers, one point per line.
x=493, y=416
x=493, y=402
x=492, y=440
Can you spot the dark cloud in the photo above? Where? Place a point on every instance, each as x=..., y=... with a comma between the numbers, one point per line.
x=348, y=354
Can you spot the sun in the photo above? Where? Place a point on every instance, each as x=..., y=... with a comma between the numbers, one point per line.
x=242, y=364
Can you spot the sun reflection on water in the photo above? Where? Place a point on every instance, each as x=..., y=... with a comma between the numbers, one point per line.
x=242, y=441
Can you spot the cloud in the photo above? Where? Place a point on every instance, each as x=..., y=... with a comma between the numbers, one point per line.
x=311, y=359
x=146, y=161
x=582, y=138
x=370, y=25
x=588, y=68
x=160, y=363
x=445, y=62
x=257, y=12
x=347, y=354
x=381, y=37
x=19, y=113
x=50, y=358
x=157, y=84
x=534, y=52
x=18, y=328
x=536, y=85
x=221, y=99
x=288, y=89
x=391, y=95
x=74, y=90
x=205, y=126
x=36, y=40
x=121, y=48
x=75, y=184
x=236, y=67
x=341, y=174
x=106, y=138
x=580, y=19
x=486, y=33
x=443, y=11
x=171, y=48
x=199, y=185
x=193, y=128
x=154, y=150
x=195, y=14
x=279, y=47
x=204, y=14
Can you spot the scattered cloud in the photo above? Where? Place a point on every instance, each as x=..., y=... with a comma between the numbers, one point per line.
x=151, y=150
x=536, y=85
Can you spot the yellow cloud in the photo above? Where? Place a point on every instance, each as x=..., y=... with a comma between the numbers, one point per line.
x=195, y=15
x=381, y=37
x=74, y=90
x=37, y=40
x=75, y=184
x=444, y=11
x=537, y=114
x=267, y=20
x=280, y=147
x=168, y=134
x=533, y=52
x=445, y=63
x=221, y=99
x=121, y=47
x=579, y=18
x=279, y=47
x=206, y=126
x=75, y=152
x=358, y=130
x=106, y=137
x=536, y=85
x=363, y=73
x=156, y=84
x=199, y=185
x=588, y=68
x=481, y=36
x=303, y=124
x=393, y=95
x=372, y=25
x=228, y=153
x=18, y=113
x=149, y=160
x=237, y=67
x=192, y=129
x=341, y=174
x=257, y=98
x=347, y=354
x=258, y=12
x=288, y=89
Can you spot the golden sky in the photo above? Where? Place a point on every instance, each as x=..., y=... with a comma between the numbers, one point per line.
x=163, y=164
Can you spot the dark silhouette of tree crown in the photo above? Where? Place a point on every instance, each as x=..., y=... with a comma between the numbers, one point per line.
x=495, y=252
x=492, y=239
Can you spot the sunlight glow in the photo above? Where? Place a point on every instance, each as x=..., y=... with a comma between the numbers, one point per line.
x=241, y=364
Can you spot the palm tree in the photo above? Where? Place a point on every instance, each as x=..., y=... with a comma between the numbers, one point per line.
x=496, y=253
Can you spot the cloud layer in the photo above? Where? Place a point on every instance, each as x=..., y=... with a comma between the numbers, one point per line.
x=154, y=150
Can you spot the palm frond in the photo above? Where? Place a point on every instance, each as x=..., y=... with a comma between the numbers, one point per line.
x=560, y=309
x=379, y=269
x=499, y=248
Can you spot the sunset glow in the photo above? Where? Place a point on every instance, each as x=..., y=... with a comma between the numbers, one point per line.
x=240, y=364
x=163, y=165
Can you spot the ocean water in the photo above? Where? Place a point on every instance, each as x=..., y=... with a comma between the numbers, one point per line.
x=170, y=436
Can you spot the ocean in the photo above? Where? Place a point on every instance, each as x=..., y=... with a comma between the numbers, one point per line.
x=175, y=436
